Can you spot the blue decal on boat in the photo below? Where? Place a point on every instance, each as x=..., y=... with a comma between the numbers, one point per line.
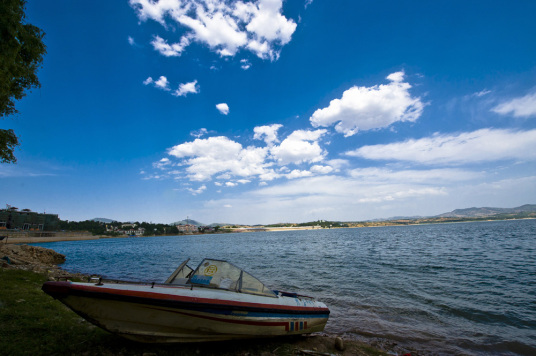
x=201, y=279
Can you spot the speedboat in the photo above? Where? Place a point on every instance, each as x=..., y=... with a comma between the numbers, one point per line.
x=216, y=301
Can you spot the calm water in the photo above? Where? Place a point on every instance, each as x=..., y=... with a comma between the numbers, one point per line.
x=467, y=288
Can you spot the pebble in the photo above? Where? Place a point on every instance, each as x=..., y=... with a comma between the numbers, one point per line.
x=339, y=345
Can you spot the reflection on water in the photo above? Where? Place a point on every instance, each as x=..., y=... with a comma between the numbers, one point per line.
x=451, y=288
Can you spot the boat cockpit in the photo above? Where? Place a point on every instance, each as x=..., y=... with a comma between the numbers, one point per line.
x=219, y=274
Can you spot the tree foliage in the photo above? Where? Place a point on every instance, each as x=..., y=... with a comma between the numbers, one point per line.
x=21, y=54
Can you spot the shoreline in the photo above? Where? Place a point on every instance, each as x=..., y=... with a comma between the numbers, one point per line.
x=45, y=263
x=84, y=237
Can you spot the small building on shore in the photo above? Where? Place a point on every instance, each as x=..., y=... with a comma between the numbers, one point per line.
x=186, y=229
x=11, y=218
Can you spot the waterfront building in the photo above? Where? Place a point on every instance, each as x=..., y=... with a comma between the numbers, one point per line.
x=12, y=218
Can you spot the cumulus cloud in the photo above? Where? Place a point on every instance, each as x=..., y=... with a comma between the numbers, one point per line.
x=224, y=26
x=131, y=41
x=170, y=50
x=483, y=145
x=216, y=155
x=368, y=108
x=223, y=108
x=267, y=133
x=518, y=107
x=226, y=160
x=162, y=83
x=300, y=146
x=187, y=88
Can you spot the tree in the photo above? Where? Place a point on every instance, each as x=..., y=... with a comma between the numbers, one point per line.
x=21, y=54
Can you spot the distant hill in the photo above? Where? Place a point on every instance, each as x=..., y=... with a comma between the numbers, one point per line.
x=189, y=221
x=483, y=212
x=103, y=220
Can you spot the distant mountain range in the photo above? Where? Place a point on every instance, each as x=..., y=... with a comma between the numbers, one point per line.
x=458, y=213
x=483, y=212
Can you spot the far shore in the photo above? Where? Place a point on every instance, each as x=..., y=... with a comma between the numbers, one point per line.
x=77, y=236
x=82, y=237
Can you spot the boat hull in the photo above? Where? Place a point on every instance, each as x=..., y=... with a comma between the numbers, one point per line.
x=179, y=314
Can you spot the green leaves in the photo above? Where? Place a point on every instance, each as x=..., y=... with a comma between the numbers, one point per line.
x=8, y=142
x=21, y=54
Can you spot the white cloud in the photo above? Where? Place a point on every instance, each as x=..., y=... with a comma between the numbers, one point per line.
x=482, y=93
x=368, y=108
x=224, y=26
x=216, y=28
x=170, y=50
x=268, y=133
x=199, y=190
x=345, y=193
x=199, y=133
x=321, y=169
x=187, y=88
x=226, y=160
x=245, y=64
x=338, y=163
x=223, y=108
x=298, y=174
x=267, y=25
x=350, y=199
x=483, y=145
x=300, y=146
x=218, y=155
x=383, y=175
x=162, y=83
x=162, y=164
x=156, y=10
x=131, y=41
x=518, y=107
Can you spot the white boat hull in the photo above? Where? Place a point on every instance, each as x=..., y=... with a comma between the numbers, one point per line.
x=161, y=314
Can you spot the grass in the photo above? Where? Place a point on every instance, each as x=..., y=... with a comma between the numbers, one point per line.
x=33, y=323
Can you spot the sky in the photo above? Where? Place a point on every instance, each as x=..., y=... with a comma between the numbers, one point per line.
x=271, y=111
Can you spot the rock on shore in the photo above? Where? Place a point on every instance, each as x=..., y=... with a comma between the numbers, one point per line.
x=33, y=258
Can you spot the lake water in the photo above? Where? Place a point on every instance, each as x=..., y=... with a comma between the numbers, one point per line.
x=465, y=288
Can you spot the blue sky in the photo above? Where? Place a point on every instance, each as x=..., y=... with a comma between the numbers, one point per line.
x=268, y=111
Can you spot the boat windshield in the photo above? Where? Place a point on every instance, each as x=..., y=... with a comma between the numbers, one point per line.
x=181, y=274
x=225, y=275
